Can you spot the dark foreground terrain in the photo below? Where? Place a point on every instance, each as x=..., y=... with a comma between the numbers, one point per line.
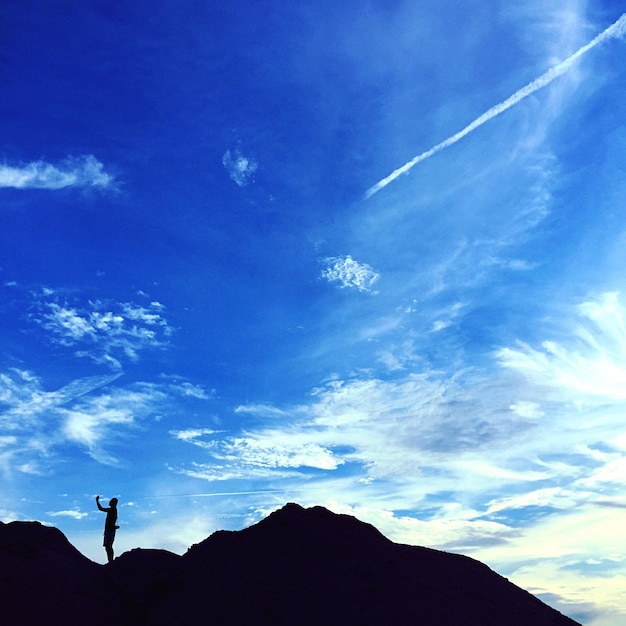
x=296, y=567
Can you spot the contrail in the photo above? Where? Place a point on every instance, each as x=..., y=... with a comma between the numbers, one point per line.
x=615, y=30
x=82, y=387
x=218, y=494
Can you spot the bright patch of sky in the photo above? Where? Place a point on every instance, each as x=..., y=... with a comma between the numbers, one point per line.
x=227, y=282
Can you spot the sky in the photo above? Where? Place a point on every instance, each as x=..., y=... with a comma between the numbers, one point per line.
x=364, y=255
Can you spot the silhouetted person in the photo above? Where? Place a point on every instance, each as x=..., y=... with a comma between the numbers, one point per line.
x=110, y=525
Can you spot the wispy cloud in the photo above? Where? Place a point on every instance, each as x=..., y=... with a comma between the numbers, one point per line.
x=82, y=171
x=346, y=423
x=473, y=455
x=91, y=422
x=593, y=369
x=106, y=332
x=23, y=397
x=616, y=30
x=34, y=417
x=240, y=168
x=192, y=434
x=577, y=554
x=192, y=391
x=74, y=513
x=350, y=273
x=89, y=413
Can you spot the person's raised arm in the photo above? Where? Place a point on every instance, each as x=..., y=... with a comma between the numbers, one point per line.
x=99, y=505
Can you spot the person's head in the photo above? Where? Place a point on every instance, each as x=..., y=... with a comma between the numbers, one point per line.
x=113, y=502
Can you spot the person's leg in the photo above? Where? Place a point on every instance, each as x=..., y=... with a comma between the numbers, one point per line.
x=109, y=537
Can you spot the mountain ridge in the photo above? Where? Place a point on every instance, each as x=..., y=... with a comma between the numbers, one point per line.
x=297, y=565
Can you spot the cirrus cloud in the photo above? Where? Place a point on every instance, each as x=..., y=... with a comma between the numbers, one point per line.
x=82, y=171
x=105, y=332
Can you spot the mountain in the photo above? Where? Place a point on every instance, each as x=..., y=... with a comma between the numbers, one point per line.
x=297, y=566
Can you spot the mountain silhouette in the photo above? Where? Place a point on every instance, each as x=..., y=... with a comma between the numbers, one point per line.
x=296, y=567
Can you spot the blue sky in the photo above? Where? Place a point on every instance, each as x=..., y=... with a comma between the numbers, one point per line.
x=217, y=296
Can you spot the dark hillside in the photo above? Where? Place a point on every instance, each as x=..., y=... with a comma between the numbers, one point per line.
x=297, y=566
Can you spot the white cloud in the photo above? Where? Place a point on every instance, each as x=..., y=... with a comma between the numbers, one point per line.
x=42, y=422
x=478, y=460
x=69, y=513
x=448, y=316
x=593, y=369
x=555, y=497
x=610, y=474
x=86, y=424
x=107, y=331
x=557, y=554
x=83, y=171
x=277, y=450
x=270, y=449
x=214, y=472
x=190, y=434
x=349, y=273
x=261, y=410
x=67, y=323
x=427, y=428
x=193, y=391
x=531, y=410
x=516, y=265
x=400, y=357
x=239, y=167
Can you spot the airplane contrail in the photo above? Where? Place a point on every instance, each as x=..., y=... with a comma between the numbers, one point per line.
x=217, y=494
x=617, y=29
x=214, y=494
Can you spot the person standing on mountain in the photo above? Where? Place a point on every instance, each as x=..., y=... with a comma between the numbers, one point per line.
x=110, y=525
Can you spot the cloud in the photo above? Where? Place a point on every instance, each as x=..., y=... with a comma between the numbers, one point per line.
x=191, y=434
x=480, y=458
x=591, y=370
x=349, y=273
x=261, y=410
x=24, y=401
x=83, y=171
x=446, y=317
x=577, y=554
x=213, y=472
x=270, y=451
x=400, y=357
x=615, y=30
x=193, y=391
x=239, y=168
x=93, y=421
x=107, y=332
x=263, y=450
x=554, y=497
x=531, y=410
x=428, y=429
x=38, y=425
x=69, y=513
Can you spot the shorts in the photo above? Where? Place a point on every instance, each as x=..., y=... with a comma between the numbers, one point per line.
x=109, y=537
